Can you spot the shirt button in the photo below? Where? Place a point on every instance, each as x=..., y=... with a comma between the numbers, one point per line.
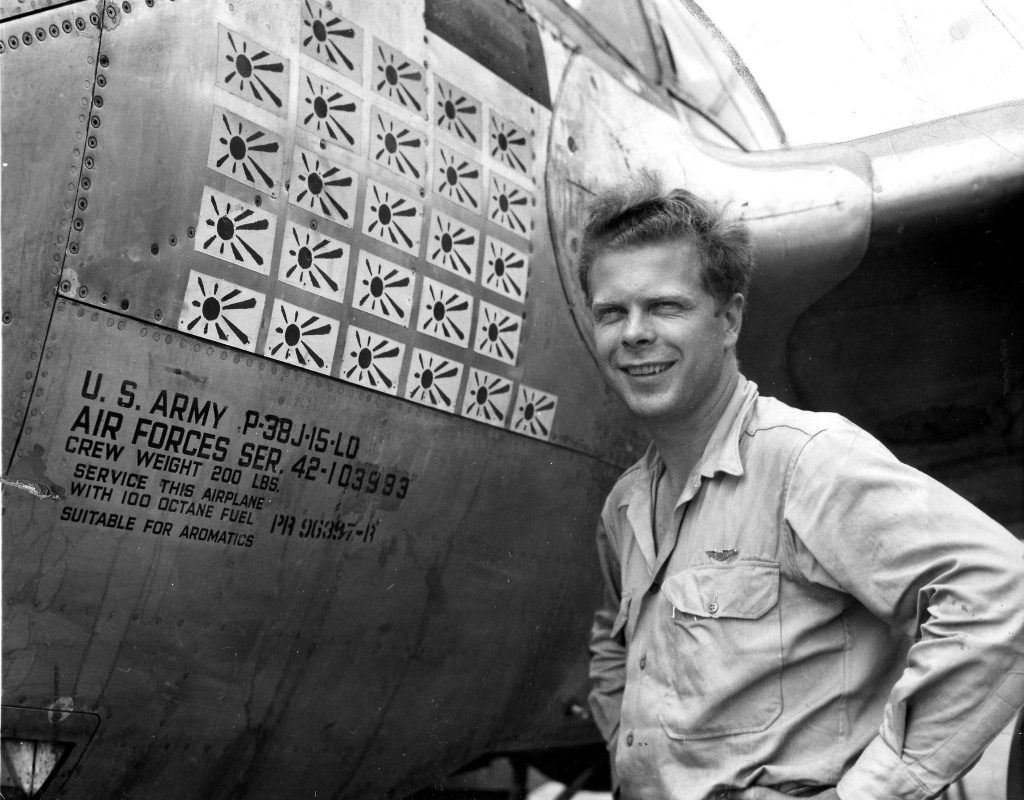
x=643, y=661
x=712, y=608
x=629, y=740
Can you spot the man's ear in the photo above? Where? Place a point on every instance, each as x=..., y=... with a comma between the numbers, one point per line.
x=732, y=317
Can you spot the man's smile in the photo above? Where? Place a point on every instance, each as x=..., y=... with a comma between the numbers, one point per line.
x=643, y=370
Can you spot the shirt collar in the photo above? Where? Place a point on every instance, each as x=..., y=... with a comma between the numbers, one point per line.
x=722, y=453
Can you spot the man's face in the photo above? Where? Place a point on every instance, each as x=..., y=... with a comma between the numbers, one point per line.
x=660, y=343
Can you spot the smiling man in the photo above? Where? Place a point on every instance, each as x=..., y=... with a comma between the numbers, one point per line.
x=789, y=610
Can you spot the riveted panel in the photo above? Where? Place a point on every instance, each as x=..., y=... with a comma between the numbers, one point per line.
x=220, y=497
x=338, y=160
x=223, y=441
x=44, y=147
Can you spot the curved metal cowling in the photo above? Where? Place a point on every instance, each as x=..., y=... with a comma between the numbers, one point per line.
x=884, y=285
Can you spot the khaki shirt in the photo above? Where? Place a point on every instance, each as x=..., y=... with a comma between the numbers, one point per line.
x=822, y=615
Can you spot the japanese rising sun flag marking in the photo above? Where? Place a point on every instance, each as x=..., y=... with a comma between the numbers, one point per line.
x=371, y=360
x=244, y=151
x=314, y=262
x=221, y=311
x=453, y=245
x=383, y=289
x=445, y=313
x=433, y=380
x=329, y=111
x=250, y=71
x=497, y=333
x=458, y=177
x=332, y=40
x=534, y=413
x=505, y=269
x=299, y=336
x=392, y=217
x=510, y=144
x=235, y=232
x=397, y=146
x=487, y=397
x=509, y=205
x=323, y=187
x=398, y=78
x=456, y=112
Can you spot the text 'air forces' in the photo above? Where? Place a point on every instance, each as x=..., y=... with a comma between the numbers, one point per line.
x=178, y=465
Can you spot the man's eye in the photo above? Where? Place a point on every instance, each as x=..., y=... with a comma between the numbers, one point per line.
x=606, y=315
x=666, y=308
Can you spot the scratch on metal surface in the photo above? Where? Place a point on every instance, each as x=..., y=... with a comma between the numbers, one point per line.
x=999, y=19
x=186, y=374
x=792, y=211
x=985, y=134
x=36, y=489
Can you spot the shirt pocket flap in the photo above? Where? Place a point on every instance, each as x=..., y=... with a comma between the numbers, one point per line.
x=737, y=591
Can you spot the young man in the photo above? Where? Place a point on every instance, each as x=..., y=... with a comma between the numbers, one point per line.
x=789, y=610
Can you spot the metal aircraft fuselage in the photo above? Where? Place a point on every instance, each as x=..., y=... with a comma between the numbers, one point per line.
x=303, y=443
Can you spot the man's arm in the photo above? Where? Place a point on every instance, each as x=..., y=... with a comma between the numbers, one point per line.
x=924, y=559
x=607, y=647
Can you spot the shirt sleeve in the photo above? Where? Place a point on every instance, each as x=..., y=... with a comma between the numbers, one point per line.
x=607, y=647
x=922, y=558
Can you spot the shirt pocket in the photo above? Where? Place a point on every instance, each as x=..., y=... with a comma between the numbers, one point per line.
x=723, y=642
